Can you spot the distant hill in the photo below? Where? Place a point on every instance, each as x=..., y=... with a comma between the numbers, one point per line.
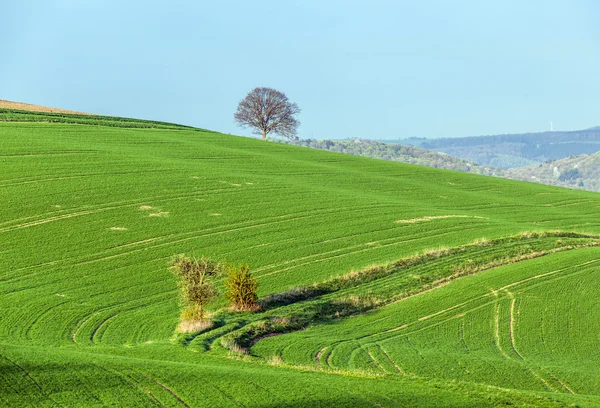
x=581, y=171
x=396, y=152
x=35, y=108
x=514, y=150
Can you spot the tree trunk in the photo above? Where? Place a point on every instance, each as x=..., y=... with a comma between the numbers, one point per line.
x=264, y=136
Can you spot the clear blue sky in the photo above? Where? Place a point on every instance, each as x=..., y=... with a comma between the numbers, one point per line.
x=372, y=69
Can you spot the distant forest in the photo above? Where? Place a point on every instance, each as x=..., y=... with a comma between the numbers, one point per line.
x=395, y=152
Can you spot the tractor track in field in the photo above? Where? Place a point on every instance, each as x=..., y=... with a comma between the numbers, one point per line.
x=374, y=244
x=135, y=383
x=319, y=354
x=390, y=360
x=375, y=360
x=545, y=278
x=363, y=248
x=194, y=235
x=452, y=308
x=39, y=317
x=540, y=276
x=92, y=209
x=492, y=293
x=31, y=379
x=125, y=307
x=166, y=388
x=511, y=332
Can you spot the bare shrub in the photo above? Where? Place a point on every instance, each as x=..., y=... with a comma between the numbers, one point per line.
x=196, y=283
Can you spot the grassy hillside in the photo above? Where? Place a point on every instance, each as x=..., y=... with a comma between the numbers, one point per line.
x=92, y=214
x=20, y=115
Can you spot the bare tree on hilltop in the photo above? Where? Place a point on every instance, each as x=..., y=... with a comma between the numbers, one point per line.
x=267, y=110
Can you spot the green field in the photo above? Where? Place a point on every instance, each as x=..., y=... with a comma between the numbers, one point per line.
x=466, y=307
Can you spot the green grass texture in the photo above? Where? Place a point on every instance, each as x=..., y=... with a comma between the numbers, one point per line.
x=92, y=213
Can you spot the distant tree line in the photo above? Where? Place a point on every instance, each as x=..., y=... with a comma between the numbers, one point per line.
x=394, y=152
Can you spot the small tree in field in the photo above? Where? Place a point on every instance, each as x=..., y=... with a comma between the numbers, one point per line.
x=267, y=110
x=196, y=282
x=241, y=288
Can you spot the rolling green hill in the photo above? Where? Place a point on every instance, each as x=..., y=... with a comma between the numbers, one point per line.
x=388, y=284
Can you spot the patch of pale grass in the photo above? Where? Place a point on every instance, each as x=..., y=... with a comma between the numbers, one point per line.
x=276, y=360
x=441, y=251
x=215, y=214
x=159, y=214
x=482, y=242
x=144, y=207
x=435, y=217
x=118, y=229
x=192, y=326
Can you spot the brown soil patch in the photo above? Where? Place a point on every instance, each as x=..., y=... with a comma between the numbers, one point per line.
x=35, y=108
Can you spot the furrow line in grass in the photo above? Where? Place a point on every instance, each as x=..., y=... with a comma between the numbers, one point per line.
x=373, y=244
x=514, y=346
x=497, y=328
x=91, y=209
x=511, y=331
x=114, y=205
x=390, y=360
x=40, y=180
x=127, y=306
x=169, y=390
x=97, y=328
x=39, y=316
x=227, y=395
x=363, y=249
x=372, y=357
x=215, y=231
x=30, y=378
x=479, y=268
x=241, y=225
x=47, y=220
x=319, y=354
x=136, y=384
x=523, y=281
